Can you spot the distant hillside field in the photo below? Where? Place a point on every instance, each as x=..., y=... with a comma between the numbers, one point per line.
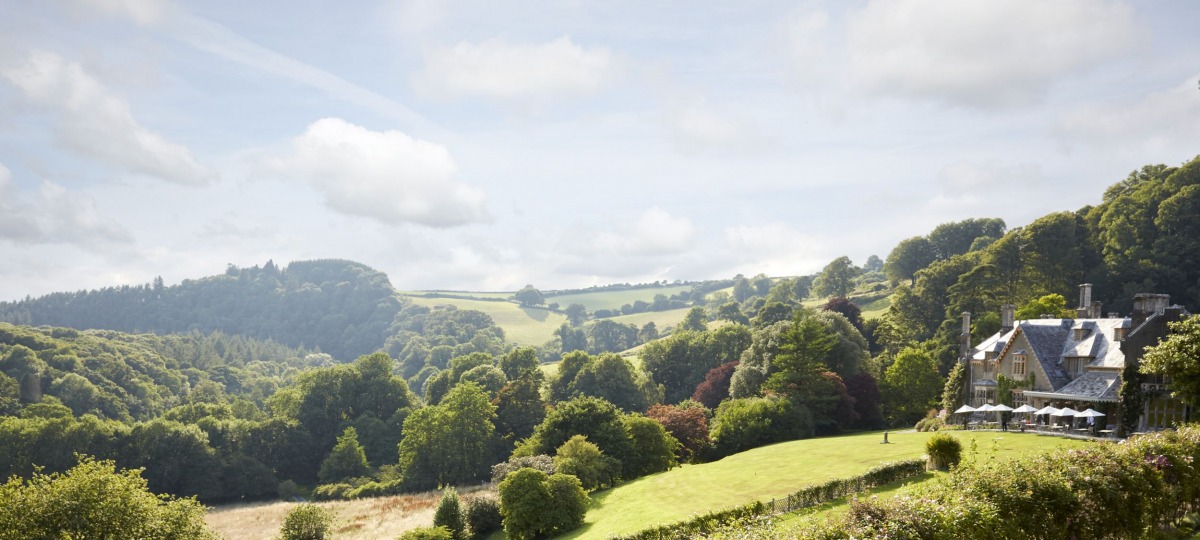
x=615, y=299
x=772, y=471
x=523, y=326
x=661, y=319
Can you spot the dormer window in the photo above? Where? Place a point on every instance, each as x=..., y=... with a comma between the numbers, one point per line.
x=1019, y=362
x=1080, y=333
x=1118, y=334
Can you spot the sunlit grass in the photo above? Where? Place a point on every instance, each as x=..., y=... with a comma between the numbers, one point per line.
x=615, y=299
x=771, y=472
x=523, y=326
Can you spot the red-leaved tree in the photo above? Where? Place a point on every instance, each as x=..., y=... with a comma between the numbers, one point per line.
x=715, y=386
x=689, y=425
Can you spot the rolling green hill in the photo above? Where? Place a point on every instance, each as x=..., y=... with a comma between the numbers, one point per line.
x=614, y=299
x=523, y=326
x=768, y=472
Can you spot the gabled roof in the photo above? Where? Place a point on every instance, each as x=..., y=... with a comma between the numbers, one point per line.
x=1046, y=338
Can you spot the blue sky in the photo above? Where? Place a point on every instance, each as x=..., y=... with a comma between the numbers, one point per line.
x=486, y=145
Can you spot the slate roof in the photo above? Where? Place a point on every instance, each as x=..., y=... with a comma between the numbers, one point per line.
x=994, y=343
x=1091, y=386
x=1052, y=340
x=1046, y=337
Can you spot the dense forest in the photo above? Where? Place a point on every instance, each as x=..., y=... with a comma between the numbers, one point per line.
x=319, y=379
x=341, y=308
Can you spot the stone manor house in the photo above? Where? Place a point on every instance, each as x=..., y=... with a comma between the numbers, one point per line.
x=1076, y=362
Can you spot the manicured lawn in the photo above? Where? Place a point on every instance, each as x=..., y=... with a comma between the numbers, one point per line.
x=523, y=326
x=772, y=471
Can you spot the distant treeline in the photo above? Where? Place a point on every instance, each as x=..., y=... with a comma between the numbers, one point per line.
x=342, y=308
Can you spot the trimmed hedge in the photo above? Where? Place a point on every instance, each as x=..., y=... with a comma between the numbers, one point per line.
x=698, y=525
x=837, y=488
x=1143, y=487
x=813, y=495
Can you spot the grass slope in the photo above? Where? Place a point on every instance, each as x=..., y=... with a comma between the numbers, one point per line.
x=768, y=472
x=661, y=319
x=615, y=299
x=523, y=326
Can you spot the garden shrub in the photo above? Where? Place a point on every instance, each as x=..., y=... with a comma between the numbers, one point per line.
x=585, y=461
x=536, y=505
x=332, y=492
x=483, y=516
x=95, y=500
x=427, y=533
x=541, y=462
x=449, y=514
x=944, y=450
x=376, y=489
x=306, y=522
x=742, y=424
x=930, y=423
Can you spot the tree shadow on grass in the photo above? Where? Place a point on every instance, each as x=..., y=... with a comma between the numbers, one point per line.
x=595, y=502
x=537, y=314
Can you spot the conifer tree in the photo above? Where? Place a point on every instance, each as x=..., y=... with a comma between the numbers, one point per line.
x=346, y=460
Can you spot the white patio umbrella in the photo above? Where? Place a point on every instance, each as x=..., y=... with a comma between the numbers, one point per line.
x=999, y=410
x=1024, y=409
x=964, y=409
x=1090, y=413
x=1065, y=412
x=1047, y=410
x=986, y=407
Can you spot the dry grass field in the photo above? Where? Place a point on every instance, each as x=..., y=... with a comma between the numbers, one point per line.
x=362, y=519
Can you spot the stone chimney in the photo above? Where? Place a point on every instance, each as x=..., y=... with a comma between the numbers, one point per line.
x=1097, y=310
x=1146, y=305
x=965, y=337
x=1007, y=316
x=1085, y=301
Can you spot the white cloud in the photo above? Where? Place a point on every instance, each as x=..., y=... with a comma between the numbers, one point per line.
x=697, y=127
x=983, y=53
x=384, y=175
x=1168, y=119
x=55, y=216
x=775, y=249
x=990, y=188
x=655, y=233
x=634, y=248
x=143, y=12
x=92, y=120
x=966, y=179
x=16, y=217
x=75, y=220
x=496, y=68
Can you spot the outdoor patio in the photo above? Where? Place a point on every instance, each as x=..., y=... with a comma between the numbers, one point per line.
x=1064, y=422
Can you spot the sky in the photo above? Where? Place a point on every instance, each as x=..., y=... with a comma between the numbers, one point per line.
x=485, y=145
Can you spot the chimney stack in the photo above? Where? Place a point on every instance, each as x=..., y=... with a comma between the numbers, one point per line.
x=965, y=337
x=1085, y=301
x=1007, y=316
x=1146, y=305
